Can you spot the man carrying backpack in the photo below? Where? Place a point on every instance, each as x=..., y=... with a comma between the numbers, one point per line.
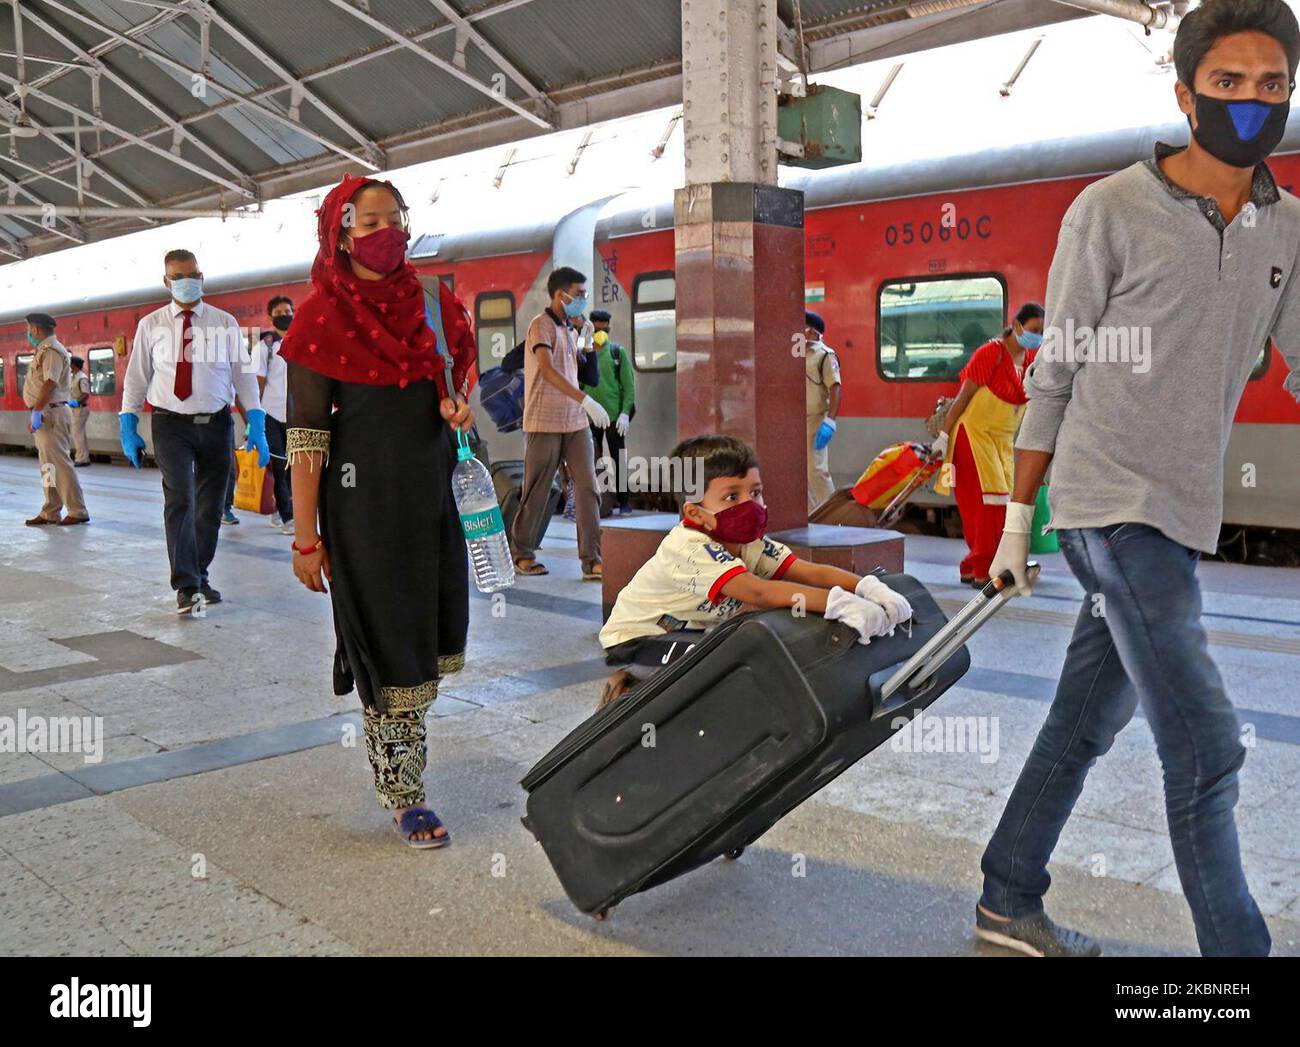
x=615, y=393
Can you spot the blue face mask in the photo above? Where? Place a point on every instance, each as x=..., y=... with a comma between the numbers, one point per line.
x=187, y=289
x=1029, y=340
x=576, y=307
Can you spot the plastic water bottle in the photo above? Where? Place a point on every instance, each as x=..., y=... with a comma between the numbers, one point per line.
x=480, y=519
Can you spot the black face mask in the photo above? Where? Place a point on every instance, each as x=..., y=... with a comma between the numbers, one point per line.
x=1241, y=134
x=282, y=322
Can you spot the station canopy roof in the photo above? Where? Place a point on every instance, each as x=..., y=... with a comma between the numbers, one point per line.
x=117, y=114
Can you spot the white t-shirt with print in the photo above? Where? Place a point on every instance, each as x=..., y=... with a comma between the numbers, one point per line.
x=684, y=579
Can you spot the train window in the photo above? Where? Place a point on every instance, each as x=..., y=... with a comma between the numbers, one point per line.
x=1261, y=365
x=926, y=329
x=654, y=322
x=494, y=326
x=103, y=373
x=20, y=370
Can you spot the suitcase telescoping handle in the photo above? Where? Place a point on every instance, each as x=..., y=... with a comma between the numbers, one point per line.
x=918, y=669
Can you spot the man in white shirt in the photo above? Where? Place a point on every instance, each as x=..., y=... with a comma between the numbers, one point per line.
x=190, y=395
x=272, y=380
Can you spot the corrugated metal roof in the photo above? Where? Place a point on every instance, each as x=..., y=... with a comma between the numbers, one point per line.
x=282, y=95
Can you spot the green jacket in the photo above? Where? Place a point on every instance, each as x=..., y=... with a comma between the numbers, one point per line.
x=615, y=391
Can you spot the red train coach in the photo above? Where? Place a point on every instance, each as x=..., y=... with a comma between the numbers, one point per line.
x=913, y=266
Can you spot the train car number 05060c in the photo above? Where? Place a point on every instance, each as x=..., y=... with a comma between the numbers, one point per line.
x=941, y=231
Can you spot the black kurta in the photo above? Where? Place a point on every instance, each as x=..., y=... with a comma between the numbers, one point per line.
x=399, y=584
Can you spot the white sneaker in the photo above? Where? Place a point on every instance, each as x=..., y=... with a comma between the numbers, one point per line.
x=287, y=528
x=275, y=520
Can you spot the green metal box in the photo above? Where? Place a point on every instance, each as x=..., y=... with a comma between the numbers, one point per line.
x=827, y=123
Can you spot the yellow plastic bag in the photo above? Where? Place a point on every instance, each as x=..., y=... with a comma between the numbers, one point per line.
x=253, y=488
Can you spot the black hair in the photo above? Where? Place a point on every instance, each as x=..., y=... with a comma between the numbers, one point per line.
x=815, y=321
x=721, y=455
x=1201, y=29
x=278, y=300
x=1028, y=311
x=180, y=254
x=562, y=279
x=78, y=362
x=349, y=217
x=600, y=316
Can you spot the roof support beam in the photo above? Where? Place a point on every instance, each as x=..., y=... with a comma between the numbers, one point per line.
x=374, y=153
x=44, y=173
x=158, y=19
x=405, y=41
x=545, y=107
x=371, y=157
x=26, y=210
x=135, y=139
x=47, y=210
x=15, y=249
x=1134, y=10
x=9, y=109
x=231, y=167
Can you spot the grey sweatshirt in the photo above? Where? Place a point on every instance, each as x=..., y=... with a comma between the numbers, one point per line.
x=1139, y=413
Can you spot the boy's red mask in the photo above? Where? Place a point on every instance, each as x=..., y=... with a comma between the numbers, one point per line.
x=743, y=523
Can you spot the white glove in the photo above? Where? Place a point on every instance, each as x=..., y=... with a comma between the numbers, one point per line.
x=1013, y=550
x=895, y=606
x=622, y=424
x=598, y=415
x=585, y=335
x=868, y=618
x=940, y=446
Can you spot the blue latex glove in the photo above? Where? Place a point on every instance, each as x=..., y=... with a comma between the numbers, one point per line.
x=257, y=436
x=132, y=442
x=36, y=420
x=824, y=434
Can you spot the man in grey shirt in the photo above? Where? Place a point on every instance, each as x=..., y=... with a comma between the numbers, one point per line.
x=1168, y=279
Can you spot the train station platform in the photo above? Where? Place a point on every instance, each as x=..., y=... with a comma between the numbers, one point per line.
x=229, y=816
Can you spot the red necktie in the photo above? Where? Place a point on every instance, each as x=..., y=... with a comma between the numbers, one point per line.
x=184, y=368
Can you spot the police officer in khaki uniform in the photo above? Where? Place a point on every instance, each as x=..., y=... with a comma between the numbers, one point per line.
x=46, y=390
x=80, y=404
x=823, y=405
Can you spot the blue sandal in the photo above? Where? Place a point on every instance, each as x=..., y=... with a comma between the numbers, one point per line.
x=420, y=819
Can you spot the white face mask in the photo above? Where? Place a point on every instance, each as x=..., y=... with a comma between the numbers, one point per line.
x=187, y=288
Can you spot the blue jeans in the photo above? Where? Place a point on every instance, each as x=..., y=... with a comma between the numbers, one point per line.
x=1146, y=644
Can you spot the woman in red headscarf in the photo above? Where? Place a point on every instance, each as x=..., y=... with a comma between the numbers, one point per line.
x=371, y=438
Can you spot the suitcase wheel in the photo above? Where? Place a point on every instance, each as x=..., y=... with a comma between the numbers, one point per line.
x=603, y=914
x=734, y=853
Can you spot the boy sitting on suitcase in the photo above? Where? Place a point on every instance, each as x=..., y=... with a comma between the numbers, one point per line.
x=716, y=561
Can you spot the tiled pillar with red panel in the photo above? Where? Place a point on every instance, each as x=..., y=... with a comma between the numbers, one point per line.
x=740, y=265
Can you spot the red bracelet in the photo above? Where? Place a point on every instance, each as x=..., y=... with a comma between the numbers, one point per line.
x=306, y=552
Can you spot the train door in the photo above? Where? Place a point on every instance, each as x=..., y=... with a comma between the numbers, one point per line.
x=653, y=351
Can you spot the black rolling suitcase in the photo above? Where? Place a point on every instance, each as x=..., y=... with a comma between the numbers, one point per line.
x=706, y=756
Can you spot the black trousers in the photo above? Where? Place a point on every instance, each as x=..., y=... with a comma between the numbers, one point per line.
x=194, y=461
x=234, y=482
x=276, y=439
x=645, y=656
x=616, y=444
